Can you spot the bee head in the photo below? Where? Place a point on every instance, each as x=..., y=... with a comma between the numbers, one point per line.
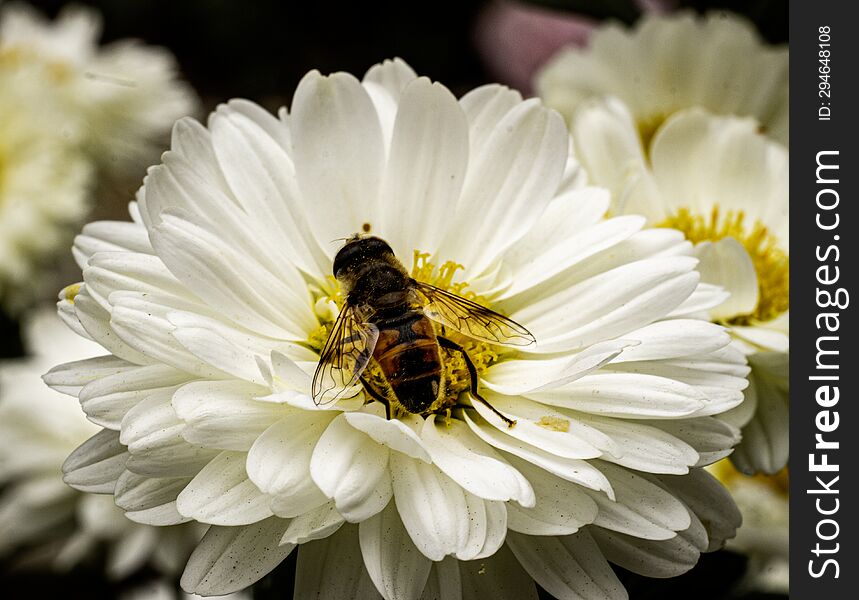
x=358, y=250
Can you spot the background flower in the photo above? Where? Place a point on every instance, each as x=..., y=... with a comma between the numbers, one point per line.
x=44, y=182
x=127, y=94
x=670, y=62
x=43, y=518
x=215, y=300
x=725, y=186
x=764, y=536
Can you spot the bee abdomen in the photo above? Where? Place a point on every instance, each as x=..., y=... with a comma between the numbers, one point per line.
x=413, y=370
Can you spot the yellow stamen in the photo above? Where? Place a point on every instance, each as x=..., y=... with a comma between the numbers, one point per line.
x=772, y=264
x=554, y=423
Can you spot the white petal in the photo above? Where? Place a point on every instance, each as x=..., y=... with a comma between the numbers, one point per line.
x=555, y=261
x=348, y=466
x=338, y=152
x=229, y=559
x=391, y=433
x=626, y=395
x=674, y=338
x=398, y=568
x=765, y=446
x=485, y=107
x=140, y=320
x=224, y=277
x=153, y=434
x=384, y=83
x=642, y=509
x=96, y=321
x=703, y=299
x=608, y=145
x=711, y=438
x=108, y=399
x=148, y=500
x=644, y=447
x=69, y=378
x=709, y=501
x=426, y=168
x=726, y=263
x=663, y=558
x=545, y=427
x=262, y=177
x=577, y=471
x=609, y=304
x=95, y=465
x=433, y=507
x=510, y=182
x=315, y=524
x=223, y=414
x=763, y=338
x=222, y=494
x=473, y=464
x=562, y=507
x=331, y=569
x=279, y=460
x=513, y=377
x=225, y=346
x=569, y=567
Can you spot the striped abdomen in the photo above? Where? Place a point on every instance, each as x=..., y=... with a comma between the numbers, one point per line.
x=408, y=354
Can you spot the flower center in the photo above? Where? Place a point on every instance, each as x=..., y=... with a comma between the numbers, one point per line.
x=455, y=374
x=772, y=264
x=16, y=57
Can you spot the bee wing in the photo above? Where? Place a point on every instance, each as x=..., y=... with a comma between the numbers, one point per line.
x=345, y=356
x=471, y=319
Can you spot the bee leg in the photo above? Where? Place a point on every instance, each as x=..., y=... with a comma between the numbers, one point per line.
x=472, y=372
x=378, y=397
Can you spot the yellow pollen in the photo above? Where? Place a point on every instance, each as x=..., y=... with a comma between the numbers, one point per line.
x=70, y=292
x=554, y=423
x=772, y=264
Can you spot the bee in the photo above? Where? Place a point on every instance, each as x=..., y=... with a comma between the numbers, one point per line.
x=388, y=318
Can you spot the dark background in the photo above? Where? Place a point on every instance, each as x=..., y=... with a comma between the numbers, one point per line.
x=260, y=50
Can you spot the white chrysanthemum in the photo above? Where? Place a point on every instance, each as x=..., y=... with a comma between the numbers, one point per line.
x=764, y=503
x=128, y=94
x=38, y=429
x=726, y=187
x=671, y=62
x=215, y=302
x=43, y=186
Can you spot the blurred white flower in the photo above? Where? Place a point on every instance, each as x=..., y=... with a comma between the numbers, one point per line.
x=725, y=186
x=667, y=63
x=764, y=537
x=44, y=183
x=38, y=429
x=127, y=94
x=214, y=303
